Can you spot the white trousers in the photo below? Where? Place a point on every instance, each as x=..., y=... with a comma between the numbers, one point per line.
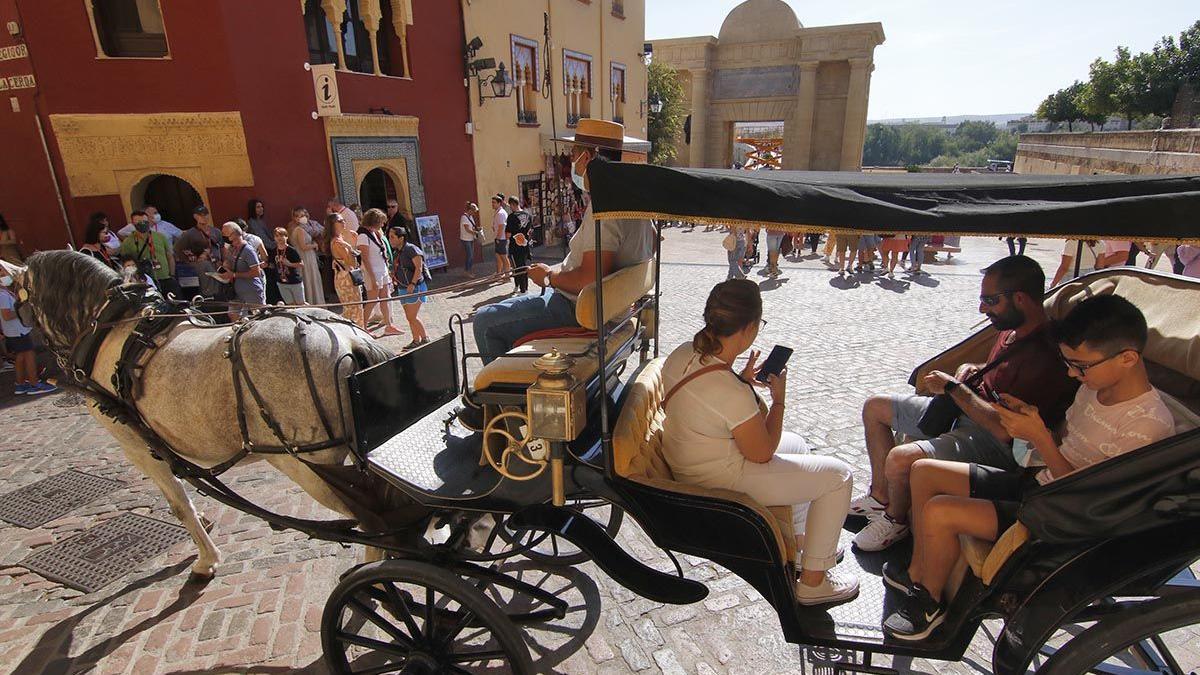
x=815, y=484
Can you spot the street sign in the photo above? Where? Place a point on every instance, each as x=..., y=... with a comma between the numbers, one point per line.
x=325, y=84
x=13, y=52
x=17, y=82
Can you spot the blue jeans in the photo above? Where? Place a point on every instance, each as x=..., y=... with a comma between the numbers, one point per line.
x=735, y=261
x=500, y=325
x=469, y=253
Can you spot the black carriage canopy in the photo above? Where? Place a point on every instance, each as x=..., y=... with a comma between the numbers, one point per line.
x=1141, y=208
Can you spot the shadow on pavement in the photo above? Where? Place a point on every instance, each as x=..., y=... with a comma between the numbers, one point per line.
x=554, y=641
x=893, y=285
x=772, y=284
x=844, y=283
x=924, y=280
x=51, y=654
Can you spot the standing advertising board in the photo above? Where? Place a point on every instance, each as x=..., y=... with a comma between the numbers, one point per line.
x=429, y=229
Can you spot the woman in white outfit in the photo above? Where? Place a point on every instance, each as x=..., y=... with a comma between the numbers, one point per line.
x=718, y=433
x=299, y=237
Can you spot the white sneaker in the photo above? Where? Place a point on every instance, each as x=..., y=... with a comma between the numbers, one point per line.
x=837, y=587
x=880, y=533
x=866, y=505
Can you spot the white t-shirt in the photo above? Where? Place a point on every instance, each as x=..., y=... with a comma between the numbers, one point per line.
x=12, y=328
x=632, y=240
x=466, y=228
x=499, y=222
x=379, y=268
x=1095, y=432
x=700, y=418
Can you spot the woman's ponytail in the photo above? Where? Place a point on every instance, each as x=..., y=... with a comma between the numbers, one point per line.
x=732, y=305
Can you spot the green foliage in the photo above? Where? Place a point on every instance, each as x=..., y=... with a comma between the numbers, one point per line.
x=664, y=127
x=971, y=143
x=1131, y=85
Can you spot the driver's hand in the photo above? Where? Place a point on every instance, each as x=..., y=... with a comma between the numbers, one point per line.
x=538, y=273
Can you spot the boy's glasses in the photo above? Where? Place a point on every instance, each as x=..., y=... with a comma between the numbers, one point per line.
x=1083, y=368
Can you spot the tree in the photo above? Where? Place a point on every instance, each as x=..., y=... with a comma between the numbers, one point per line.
x=665, y=126
x=1090, y=108
x=976, y=133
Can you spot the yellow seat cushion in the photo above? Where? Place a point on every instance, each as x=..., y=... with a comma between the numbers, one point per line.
x=637, y=456
x=511, y=369
x=621, y=289
x=985, y=558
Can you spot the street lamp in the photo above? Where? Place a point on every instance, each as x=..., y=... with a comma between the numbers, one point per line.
x=500, y=82
x=656, y=104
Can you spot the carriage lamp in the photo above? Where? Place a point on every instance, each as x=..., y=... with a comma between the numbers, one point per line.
x=555, y=404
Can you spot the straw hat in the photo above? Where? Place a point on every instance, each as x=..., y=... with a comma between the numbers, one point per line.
x=597, y=134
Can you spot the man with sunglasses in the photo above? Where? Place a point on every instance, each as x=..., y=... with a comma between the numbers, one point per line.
x=1115, y=411
x=1024, y=362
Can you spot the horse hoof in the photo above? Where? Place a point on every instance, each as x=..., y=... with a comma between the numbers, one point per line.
x=206, y=523
x=198, y=579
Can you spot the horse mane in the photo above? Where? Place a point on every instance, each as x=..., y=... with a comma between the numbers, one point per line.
x=67, y=291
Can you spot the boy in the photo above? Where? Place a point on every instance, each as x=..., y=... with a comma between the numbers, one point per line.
x=288, y=267
x=19, y=343
x=1117, y=410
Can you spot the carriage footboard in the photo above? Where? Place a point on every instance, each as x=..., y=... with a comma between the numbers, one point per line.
x=608, y=556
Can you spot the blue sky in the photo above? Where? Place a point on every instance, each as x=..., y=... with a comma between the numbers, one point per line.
x=967, y=57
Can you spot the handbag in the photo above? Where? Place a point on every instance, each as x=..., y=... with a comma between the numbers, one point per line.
x=942, y=411
x=730, y=241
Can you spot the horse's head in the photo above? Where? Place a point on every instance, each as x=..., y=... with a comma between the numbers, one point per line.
x=61, y=292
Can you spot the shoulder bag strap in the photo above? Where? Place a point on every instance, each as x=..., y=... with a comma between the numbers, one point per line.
x=703, y=371
x=1008, y=353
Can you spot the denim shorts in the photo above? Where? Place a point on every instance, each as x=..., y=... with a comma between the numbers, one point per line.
x=966, y=442
x=774, y=241
x=501, y=247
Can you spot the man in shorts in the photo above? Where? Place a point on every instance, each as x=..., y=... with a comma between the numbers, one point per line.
x=1115, y=411
x=1030, y=369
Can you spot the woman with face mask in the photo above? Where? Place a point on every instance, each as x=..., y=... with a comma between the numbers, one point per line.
x=94, y=240
x=304, y=242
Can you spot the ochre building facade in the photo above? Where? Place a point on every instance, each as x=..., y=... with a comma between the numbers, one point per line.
x=764, y=66
x=107, y=105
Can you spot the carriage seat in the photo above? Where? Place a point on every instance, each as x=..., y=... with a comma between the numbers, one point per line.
x=621, y=289
x=637, y=456
x=985, y=558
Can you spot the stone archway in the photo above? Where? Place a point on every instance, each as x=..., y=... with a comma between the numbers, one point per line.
x=174, y=192
x=393, y=171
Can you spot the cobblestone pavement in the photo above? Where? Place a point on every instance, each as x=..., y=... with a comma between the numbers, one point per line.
x=262, y=612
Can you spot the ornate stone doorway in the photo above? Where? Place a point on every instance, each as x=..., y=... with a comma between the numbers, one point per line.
x=376, y=189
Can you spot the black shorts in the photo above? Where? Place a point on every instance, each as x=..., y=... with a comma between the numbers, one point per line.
x=16, y=345
x=1003, y=488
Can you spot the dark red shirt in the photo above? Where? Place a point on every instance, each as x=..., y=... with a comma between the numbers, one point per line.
x=1035, y=373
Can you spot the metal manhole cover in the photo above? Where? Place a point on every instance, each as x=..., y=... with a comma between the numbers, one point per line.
x=51, y=498
x=100, y=555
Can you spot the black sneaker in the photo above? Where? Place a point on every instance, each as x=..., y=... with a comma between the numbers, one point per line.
x=471, y=417
x=917, y=618
x=896, y=576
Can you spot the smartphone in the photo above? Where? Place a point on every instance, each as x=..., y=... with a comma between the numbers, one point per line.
x=774, y=363
x=995, y=397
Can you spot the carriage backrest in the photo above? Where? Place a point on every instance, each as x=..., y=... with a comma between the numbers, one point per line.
x=621, y=289
x=1171, y=305
x=389, y=397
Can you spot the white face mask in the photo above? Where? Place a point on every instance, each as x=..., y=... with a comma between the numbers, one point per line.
x=157, y=218
x=576, y=178
x=303, y=220
x=6, y=281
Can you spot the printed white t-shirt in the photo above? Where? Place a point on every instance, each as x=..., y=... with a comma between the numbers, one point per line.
x=1095, y=432
x=379, y=266
x=700, y=418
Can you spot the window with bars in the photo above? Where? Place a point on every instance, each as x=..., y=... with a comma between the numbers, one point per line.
x=577, y=85
x=616, y=91
x=129, y=28
x=525, y=78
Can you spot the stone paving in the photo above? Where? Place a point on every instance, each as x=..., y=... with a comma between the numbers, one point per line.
x=262, y=613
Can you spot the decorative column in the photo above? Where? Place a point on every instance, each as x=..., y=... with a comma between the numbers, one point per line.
x=854, y=130
x=799, y=156
x=699, y=146
x=401, y=20
x=371, y=14
x=335, y=11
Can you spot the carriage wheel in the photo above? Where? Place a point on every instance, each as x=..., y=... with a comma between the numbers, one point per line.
x=551, y=550
x=1133, y=641
x=406, y=616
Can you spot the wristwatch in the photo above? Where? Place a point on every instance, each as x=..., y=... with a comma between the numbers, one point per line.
x=951, y=386
x=549, y=278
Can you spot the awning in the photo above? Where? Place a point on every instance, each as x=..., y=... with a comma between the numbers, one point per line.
x=1163, y=208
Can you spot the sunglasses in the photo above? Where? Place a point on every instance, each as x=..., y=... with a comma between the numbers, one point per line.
x=1083, y=368
x=994, y=299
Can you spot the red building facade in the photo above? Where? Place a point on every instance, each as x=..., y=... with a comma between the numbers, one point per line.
x=107, y=105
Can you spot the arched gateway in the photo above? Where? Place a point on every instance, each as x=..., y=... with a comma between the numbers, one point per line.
x=764, y=66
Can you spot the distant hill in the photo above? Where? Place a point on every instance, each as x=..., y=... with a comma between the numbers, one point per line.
x=1000, y=120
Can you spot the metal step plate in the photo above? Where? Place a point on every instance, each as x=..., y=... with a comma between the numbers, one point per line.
x=54, y=497
x=102, y=554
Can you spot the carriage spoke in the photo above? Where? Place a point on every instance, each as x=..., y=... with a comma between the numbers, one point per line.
x=1165, y=652
x=479, y=657
x=405, y=615
x=467, y=617
x=383, y=623
x=371, y=643
x=429, y=633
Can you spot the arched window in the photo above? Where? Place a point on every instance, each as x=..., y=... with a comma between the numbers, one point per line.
x=322, y=41
x=129, y=28
x=356, y=40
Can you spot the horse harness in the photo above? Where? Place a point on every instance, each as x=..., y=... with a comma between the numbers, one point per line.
x=155, y=317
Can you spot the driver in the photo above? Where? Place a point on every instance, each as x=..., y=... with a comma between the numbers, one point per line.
x=623, y=243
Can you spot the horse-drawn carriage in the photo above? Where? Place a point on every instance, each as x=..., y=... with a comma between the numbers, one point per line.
x=572, y=446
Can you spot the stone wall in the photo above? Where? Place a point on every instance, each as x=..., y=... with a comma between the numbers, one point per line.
x=1123, y=152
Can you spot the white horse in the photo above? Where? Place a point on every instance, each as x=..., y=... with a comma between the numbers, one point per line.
x=186, y=391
